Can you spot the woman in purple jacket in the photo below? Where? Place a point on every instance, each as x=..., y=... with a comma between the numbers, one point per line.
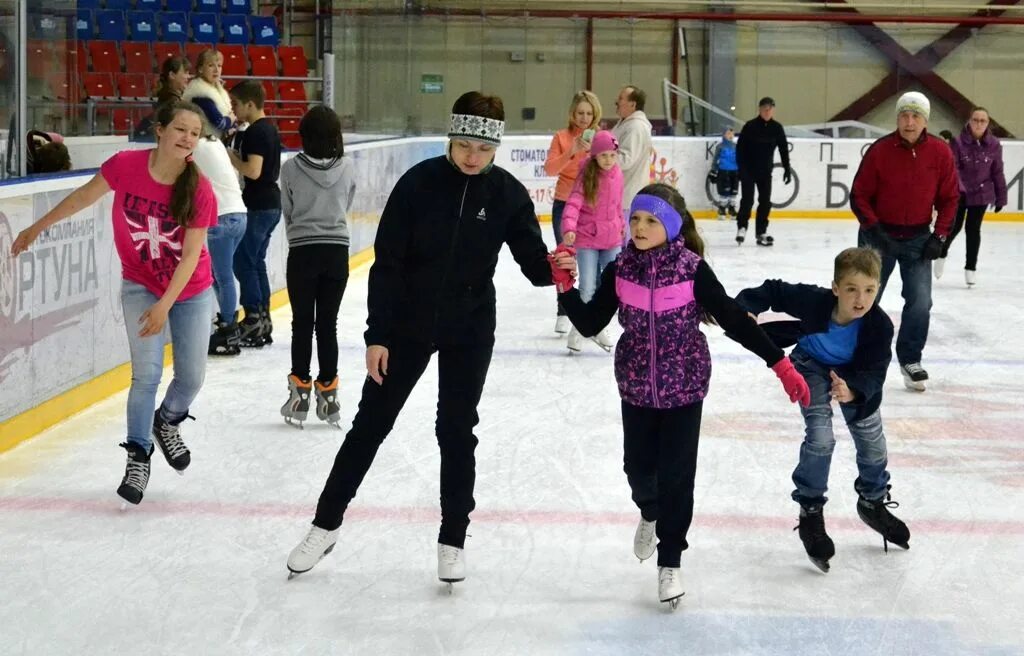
x=663, y=289
x=979, y=162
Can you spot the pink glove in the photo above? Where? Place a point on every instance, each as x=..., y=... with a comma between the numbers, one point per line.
x=562, y=278
x=792, y=382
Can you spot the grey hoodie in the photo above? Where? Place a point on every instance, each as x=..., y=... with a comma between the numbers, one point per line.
x=315, y=198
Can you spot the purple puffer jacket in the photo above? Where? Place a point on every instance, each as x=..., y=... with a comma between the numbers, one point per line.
x=662, y=359
x=980, y=166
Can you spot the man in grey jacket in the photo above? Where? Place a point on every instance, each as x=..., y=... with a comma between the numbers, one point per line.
x=633, y=131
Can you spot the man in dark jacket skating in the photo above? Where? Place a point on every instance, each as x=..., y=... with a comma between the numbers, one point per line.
x=431, y=290
x=755, y=153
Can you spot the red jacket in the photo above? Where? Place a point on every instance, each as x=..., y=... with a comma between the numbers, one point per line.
x=898, y=184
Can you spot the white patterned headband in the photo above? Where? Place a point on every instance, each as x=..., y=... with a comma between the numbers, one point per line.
x=477, y=128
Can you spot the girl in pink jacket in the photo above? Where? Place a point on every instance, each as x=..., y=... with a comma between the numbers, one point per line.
x=593, y=222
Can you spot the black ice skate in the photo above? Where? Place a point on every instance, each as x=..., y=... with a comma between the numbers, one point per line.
x=914, y=376
x=225, y=339
x=876, y=515
x=136, y=474
x=817, y=543
x=167, y=437
x=267, y=325
x=251, y=328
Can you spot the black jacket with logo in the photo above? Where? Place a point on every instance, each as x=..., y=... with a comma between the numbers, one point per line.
x=432, y=280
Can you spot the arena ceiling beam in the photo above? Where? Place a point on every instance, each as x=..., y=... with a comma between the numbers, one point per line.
x=919, y=67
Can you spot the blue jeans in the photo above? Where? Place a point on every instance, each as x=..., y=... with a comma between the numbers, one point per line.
x=251, y=258
x=591, y=263
x=917, y=290
x=189, y=323
x=222, y=241
x=811, y=475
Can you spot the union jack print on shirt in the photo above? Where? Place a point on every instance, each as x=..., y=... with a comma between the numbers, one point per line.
x=148, y=233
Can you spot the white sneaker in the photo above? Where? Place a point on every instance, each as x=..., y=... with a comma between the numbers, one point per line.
x=643, y=539
x=970, y=277
x=318, y=543
x=575, y=341
x=914, y=376
x=604, y=340
x=562, y=324
x=938, y=266
x=451, y=563
x=670, y=584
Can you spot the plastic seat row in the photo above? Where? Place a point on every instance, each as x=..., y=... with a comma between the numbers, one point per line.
x=116, y=25
x=141, y=57
x=217, y=6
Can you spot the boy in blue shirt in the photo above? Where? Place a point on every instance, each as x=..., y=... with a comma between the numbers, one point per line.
x=843, y=349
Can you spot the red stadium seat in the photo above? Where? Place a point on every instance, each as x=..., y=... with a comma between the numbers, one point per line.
x=105, y=57
x=40, y=62
x=235, y=62
x=98, y=85
x=262, y=61
x=293, y=61
x=192, y=51
x=291, y=91
x=165, y=50
x=132, y=85
x=138, y=57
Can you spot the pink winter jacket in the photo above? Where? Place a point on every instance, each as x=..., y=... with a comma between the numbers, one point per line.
x=597, y=227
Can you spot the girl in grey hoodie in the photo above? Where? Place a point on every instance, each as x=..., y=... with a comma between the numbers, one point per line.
x=316, y=192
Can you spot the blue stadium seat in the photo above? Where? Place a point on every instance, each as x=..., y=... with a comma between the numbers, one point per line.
x=89, y=4
x=173, y=27
x=47, y=27
x=84, y=24
x=235, y=28
x=264, y=30
x=149, y=5
x=205, y=28
x=123, y=5
x=143, y=25
x=110, y=25
x=179, y=5
x=238, y=6
x=208, y=6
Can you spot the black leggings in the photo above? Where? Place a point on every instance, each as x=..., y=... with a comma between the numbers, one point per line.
x=461, y=372
x=972, y=216
x=316, y=275
x=660, y=461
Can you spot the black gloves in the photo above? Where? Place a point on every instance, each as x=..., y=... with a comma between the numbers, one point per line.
x=933, y=247
x=787, y=176
x=713, y=177
x=999, y=208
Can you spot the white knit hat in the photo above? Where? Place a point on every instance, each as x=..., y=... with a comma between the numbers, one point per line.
x=914, y=101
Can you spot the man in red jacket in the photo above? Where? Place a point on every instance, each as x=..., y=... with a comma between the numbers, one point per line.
x=902, y=178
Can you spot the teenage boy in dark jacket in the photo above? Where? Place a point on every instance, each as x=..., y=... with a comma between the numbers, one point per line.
x=431, y=289
x=842, y=350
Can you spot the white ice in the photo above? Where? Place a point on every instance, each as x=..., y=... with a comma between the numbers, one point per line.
x=199, y=567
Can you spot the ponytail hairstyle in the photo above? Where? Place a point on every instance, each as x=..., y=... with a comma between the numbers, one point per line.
x=688, y=232
x=184, y=191
x=591, y=177
x=171, y=65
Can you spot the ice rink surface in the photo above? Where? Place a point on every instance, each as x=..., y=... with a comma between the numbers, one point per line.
x=199, y=567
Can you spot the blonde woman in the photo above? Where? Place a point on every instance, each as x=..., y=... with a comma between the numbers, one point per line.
x=569, y=149
x=207, y=91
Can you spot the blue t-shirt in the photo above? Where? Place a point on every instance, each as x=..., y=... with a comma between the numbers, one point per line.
x=834, y=347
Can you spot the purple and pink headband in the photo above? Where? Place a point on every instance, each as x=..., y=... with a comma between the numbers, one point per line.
x=662, y=210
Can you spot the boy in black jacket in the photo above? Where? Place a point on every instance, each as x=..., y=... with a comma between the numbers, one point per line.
x=843, y=351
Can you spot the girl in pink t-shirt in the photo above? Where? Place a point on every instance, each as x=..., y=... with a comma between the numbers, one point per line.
x=162, y=208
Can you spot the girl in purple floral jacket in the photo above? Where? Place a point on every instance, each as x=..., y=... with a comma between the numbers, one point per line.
x=663, y=289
